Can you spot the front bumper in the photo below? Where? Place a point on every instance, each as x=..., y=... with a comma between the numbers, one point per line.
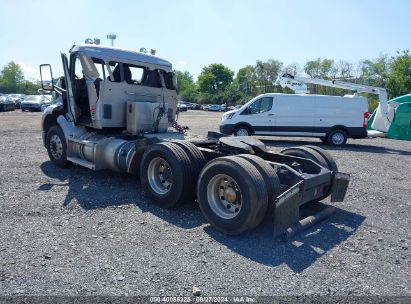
x=31, y=107
x=227, y=129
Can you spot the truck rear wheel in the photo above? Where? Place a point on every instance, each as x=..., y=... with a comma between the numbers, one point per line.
x=332, y=165
x=57, y=147
x=197, y=158
x=232, y=194
x=197, y=161
x=306, y=152
x=271, y=180
x=165, y=174
x=318, y=155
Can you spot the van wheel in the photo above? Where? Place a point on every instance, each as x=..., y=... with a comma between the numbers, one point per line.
x=337, y=138
x=242, y=131
x=231, y=193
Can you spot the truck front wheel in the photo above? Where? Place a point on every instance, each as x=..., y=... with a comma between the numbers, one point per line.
x=57, y=147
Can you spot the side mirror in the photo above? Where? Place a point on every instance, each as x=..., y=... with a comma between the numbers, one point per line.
x=46, y=76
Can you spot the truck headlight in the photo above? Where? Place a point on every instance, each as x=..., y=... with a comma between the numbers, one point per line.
x=228, y=116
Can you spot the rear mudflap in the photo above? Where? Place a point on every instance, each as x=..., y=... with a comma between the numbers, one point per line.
x=339, y=186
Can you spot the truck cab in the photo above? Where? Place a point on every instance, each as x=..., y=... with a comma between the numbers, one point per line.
x=102, y=83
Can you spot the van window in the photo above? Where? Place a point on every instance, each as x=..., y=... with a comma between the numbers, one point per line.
x=261, y=105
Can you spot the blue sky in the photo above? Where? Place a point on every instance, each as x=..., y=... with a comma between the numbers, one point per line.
x=193, y=34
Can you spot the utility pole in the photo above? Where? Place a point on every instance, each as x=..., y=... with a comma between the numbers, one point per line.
x=112, y=37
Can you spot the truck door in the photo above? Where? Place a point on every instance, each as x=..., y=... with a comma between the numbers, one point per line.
x=70, y=97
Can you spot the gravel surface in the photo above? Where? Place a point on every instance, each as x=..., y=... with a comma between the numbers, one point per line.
x=79, y=232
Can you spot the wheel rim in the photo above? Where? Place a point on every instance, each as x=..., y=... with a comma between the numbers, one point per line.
x=56, y=146
x=160, y=175
x=337, y=138
x=224, y=196
x=242, y=132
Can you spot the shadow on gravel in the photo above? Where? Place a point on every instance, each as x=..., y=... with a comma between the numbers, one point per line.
x=348, y=147
x=298, y=253
x=101, y=189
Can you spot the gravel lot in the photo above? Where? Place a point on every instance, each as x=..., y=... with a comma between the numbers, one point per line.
x=79, y=232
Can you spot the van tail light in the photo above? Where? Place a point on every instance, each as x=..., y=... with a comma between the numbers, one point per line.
x=366, y=115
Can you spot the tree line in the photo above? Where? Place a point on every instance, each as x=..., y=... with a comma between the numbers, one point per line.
x=12, y=81
x=218, y=84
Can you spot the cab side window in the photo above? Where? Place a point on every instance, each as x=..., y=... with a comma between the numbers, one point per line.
x=254, y=108
x=261, y=105
x=266, y=104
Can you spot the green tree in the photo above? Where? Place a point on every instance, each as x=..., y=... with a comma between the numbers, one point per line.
x=375, y=72
x=321, y=68
x=11, y=77
x=184, y=81
x=399, y=77
x=214, y=79
x=266, y=74
x=186, y=88
x=246, y=80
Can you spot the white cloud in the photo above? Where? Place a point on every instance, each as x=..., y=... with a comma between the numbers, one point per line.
x=30, y=73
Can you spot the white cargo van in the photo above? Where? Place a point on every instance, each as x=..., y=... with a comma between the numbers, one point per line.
x=333, y=119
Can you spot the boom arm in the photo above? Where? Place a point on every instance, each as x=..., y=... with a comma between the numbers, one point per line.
x=297, y=84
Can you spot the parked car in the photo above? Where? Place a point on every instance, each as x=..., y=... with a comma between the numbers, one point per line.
x=182, y=107
x=33, y=102
x=6, y=104
x=195, y=106
x=333, y=119
x=17, y=98
x=216, y=108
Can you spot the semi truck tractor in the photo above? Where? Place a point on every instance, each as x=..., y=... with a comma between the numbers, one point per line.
x=118, y=110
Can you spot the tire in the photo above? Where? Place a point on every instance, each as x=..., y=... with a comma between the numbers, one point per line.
x=318, y=155
x=271, y=180
x=231, y=193
x=57, y=147
x=242, y=131
x=197, y=160
x=175, y=188
x=306, y=152
x=332, y=165
x=337, y=138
